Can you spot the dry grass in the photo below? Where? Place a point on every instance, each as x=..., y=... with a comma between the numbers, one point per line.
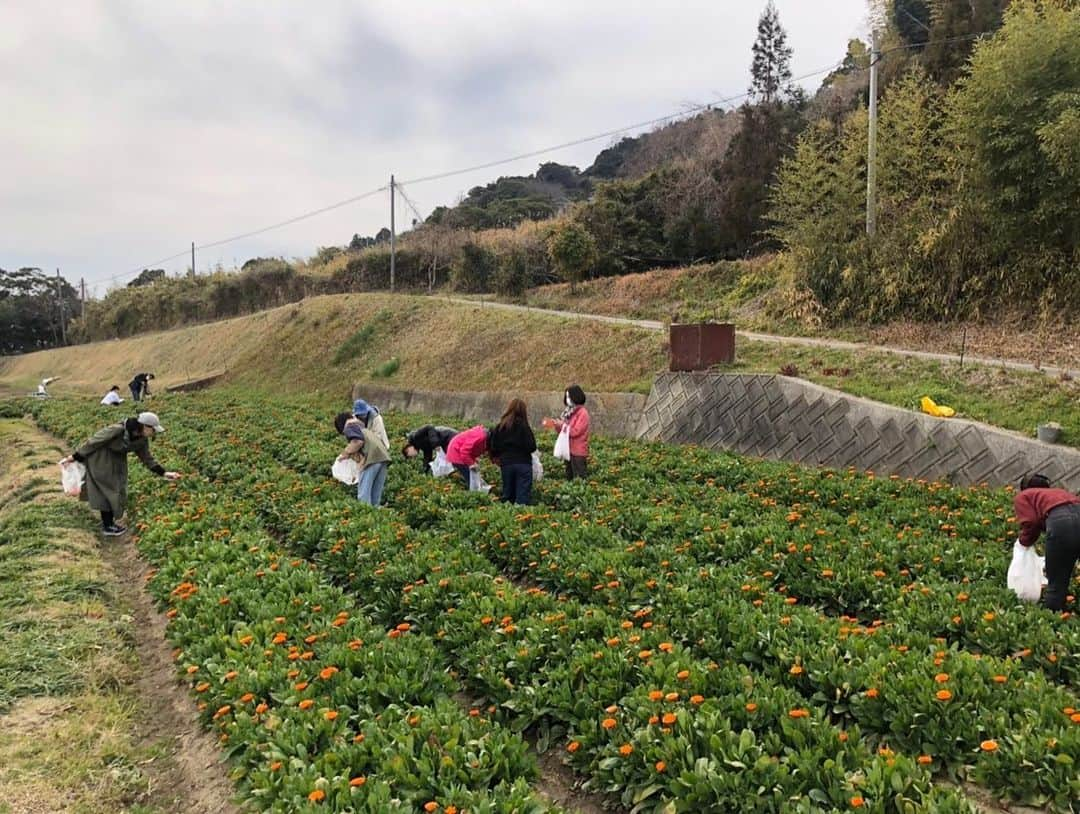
x=439, y=345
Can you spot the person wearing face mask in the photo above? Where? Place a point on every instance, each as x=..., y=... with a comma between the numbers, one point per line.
x=576, y=418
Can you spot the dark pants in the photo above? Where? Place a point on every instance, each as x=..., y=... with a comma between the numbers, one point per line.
x=577, y=467
x=136, y=392
x=463, y=472
x=1062, y=552
x=107, y=519
x=517, y=483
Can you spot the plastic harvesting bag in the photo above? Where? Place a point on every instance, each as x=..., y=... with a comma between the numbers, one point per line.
x=930, y=407
x=72, y=477
x=476, y=482
x=440, y=467
x=537, y=467
x=562, y=444
x=346, y=470
x=1025, y=576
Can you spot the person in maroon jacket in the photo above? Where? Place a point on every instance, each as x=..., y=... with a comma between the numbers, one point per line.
x=1039, y=508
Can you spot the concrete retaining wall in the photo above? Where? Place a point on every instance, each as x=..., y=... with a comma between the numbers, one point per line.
x=613, y=414
x=790, y=419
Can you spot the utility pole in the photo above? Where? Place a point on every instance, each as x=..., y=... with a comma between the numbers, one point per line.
x=193, y=260
x=871, y=142
x=393, y=236
x=60, y=306
x=82, y=299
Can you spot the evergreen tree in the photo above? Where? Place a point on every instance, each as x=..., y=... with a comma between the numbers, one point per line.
x=771, y=68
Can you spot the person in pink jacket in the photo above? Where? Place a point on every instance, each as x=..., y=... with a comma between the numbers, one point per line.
x=576, y=417
x=465, y=449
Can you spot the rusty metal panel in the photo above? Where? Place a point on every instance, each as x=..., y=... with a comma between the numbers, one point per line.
x=699, y=346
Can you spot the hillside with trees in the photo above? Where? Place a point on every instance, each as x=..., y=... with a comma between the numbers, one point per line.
x=978, y=174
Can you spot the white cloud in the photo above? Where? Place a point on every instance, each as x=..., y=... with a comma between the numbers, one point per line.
x=133, y=128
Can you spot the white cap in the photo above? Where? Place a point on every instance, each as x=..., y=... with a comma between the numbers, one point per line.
x=150, y=420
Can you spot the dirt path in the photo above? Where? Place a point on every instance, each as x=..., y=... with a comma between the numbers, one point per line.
x=778, y=339
x=192, y=777
x=101, y=723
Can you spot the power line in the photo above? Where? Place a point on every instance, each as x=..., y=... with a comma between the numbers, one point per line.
x=408, y=200
x=684, y=113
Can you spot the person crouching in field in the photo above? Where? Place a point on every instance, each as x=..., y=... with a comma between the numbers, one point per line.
x=425, y=441
x=512, y=443
x=365, y=445
x=105, y=458
x=1040, y=508
x=112, y=398
x=465, y=449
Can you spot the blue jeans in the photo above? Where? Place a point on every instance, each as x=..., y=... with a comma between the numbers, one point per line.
x=517, y=482
x=372, y=480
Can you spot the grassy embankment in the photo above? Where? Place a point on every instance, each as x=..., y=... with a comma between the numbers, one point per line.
x=81, y=734
x=326, y=343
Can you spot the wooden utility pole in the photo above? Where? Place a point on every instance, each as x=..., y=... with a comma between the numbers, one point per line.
x=60, y=306
x=82, y=300
x=871, y=142
x=193, y=260
x=393, y=236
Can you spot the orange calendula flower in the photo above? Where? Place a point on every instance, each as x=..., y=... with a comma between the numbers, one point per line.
x=924, y=760
x=246, y=697
x=307, y=703
x=222, y=712
x=330, y=714
x=872, y=692
x=573, y=746
x=317, y=796
x=989, y=745
x=261, y=708
x=356, y=782
x=941, y=678
x=666, y=647
x=1000, y=679
x=327, y=673
x=660, y=766
x=798, y=712
x=655, y=695
x=645, y=655
x=609, y=723
x=669, y=718
x=275, y=766
x=431, y=806
x=202, y=686
x=671, y=696
x=796, y=670
x=626, y=749
x=682, y=675
x=943, y=695
x=857, y=802
x=751, y=707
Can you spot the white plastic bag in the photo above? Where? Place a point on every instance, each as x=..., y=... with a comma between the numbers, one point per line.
x=72, y=476
x=440, y=467
x=1025, y=575
x=562, y=444
x=476, y=482
x=346, y=470
x=537, y=467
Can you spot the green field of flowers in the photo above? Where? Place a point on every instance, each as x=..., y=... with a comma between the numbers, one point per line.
x=692, y=631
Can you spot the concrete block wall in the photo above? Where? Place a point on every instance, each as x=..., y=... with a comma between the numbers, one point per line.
x=790, y=419
x=612, y=414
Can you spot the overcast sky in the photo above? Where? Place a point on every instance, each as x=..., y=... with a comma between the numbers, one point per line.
x=132, y=128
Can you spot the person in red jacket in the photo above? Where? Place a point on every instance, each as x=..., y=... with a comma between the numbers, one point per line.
x=576, y=417
x=1040, y=508
x=466, y=448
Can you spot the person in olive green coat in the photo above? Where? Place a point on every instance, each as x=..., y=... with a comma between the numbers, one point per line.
x=105, y=458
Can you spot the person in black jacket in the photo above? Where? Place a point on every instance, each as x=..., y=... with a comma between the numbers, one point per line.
x=512, y=443
x=140, y=385
x=426, y=440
